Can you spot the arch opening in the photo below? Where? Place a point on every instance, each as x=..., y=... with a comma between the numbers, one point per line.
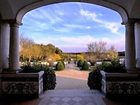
x=85, y=13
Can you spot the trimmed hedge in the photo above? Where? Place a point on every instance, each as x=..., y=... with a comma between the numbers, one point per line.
x=80, y=63
x=60, y=66
x=112, y=67
x=94, y=80
x=49, y=77
x=85, y=66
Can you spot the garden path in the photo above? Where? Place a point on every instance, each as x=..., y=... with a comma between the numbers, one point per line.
x=71, y=78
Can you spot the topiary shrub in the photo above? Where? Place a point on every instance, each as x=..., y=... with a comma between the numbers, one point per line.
x=49, y=79
x=94, y=80
x=60, y=66
x=85, y=66
x=29, y=69
x=113, y=67
x=63, y=63
x=80, y=63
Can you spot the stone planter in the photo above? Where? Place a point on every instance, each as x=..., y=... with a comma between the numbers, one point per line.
x=120, y=84
x=26, y=85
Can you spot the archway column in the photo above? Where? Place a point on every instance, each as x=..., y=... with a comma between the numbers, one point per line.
x=137, y=43
x=130, y=59
x=14, y=47
x=4, y=45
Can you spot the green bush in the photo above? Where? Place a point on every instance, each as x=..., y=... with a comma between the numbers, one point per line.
x=85, y=66
x=60, y=66
x=63, y=63
x=113, y=67
x=80, y=63
x=49, y=77
x=94, y=80
x=29, y=69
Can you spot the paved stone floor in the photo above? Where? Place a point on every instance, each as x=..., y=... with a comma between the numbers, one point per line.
x=69, y=97
x=74, y=97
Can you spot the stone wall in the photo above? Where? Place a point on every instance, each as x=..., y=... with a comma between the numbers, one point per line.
x=22, y=84
x=120, y=84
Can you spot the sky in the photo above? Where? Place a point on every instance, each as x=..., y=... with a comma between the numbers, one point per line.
x=72, y=26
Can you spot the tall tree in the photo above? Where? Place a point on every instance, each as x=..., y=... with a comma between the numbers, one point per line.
x=25, y=47
x=112, y=53
x=96, y=49
x=31, y=50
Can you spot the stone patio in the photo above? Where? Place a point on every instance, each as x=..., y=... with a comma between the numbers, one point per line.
x=70, y=97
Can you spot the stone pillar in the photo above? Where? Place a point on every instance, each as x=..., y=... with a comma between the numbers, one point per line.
x=14, y=47
x=0, y=50
x=137, y=43
x=4, y=45
x=130, y=59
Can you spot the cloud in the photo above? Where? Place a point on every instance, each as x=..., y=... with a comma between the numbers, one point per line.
x=62, y=29
x=75, y=26
x=70, y=28
x=40, y=20
x=44, y=14
x=80, y=42
x=89, y=15
x=112, y=26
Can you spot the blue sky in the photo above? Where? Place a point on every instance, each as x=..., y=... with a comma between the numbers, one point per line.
x=71, y=26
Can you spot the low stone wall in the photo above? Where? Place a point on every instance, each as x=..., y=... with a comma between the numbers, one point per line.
x=120, y=84
x=22, y=84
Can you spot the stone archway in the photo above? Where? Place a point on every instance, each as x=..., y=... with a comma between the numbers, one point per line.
x=103, y=3
x=129, y=23
x=14, y=21
x=130, y=39
x=13, y=24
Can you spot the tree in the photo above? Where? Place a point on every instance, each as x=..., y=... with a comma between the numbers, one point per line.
x=51, y=49
x=25, y=47
x=58, y=51
x=36, y=51
x=33, y=51
x=55, y=57
x=79, y=57
x=96, y=49
x=112, y=53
